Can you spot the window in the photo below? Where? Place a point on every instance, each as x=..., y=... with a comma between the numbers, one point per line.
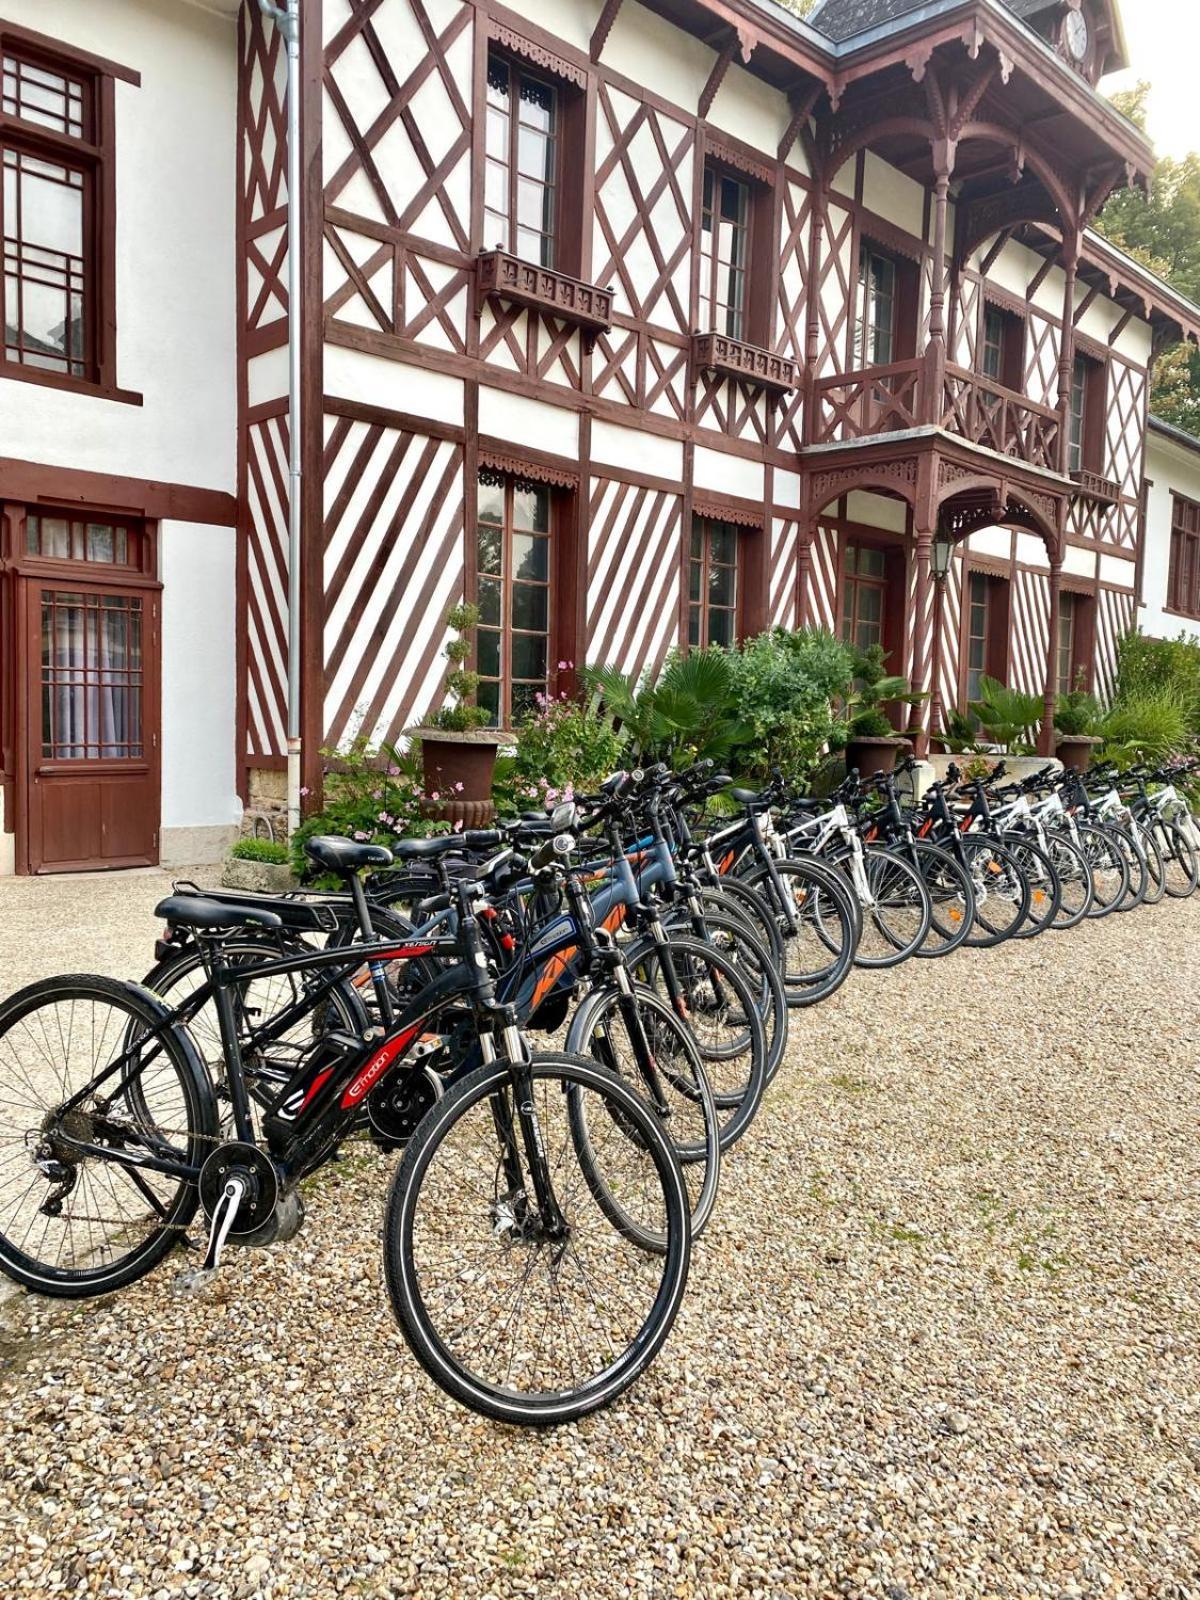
x=521, y=183
x=1183, y=572
x=978, y=632
x=1064, y=659
x=712, y=583
x=57, y=204
x=724, y=254
x=864, y=596
x=875, y=330
x=1085, y=441
x=59, y=538
x=1003, y=348
x=513, y=595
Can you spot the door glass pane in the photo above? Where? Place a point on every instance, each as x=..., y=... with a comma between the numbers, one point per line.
x=92, y=675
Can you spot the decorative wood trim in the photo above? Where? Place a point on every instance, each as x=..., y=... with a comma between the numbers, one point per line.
x=502, y=276
x=730, y=154
x=603, y=28
x=509, y=39
x=728, y=508
x=717, y=76
x=716, y=352
x=499, y=456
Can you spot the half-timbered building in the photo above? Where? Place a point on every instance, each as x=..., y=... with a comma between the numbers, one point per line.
x=643, y=324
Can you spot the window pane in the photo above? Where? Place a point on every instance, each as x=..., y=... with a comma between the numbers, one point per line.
x=721, y=628
x=535, y=152
x=531, y=557
x=695, y=579
x=489, y=601
x=43, y=214
x=101, y=543
x=724, y=542
x=531, y=509
x=487, y=646
x=694, y=625
x=488, y=696
x=870, y=603
x=524, y=700
x=530, y=606
x=871, y=563
x=42, y=96
x=490, y=541
x=528, y=656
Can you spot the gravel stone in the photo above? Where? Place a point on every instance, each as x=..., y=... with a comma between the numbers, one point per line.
x=941, y=1340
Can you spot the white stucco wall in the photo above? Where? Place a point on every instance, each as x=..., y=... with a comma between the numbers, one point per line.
x=176, y=182
x=199, y=683
x=1171, y=468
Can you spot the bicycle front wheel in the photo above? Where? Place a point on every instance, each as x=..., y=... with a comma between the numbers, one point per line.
x=515, y=1289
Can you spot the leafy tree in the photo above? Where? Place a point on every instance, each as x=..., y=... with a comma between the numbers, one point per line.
x=1162, y=231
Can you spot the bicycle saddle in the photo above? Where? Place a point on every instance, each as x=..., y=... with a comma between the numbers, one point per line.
x=344, y=855
x=196, y=911
x=745, y=797
x=426, y=849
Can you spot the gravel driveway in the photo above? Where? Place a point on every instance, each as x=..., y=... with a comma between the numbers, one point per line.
x=942, y=1338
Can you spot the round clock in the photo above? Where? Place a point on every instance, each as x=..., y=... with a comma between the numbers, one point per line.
x=1076, y=34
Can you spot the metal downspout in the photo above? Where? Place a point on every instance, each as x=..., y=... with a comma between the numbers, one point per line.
x=287, y=19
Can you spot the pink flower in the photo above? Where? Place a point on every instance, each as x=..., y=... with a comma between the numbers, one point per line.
x=362, y=837
x=305, y=790
x=435, y=795
x=563, y=665
x=458, y=826
x=459, y=787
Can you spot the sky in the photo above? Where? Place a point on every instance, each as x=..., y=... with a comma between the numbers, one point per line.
x=1164, y=46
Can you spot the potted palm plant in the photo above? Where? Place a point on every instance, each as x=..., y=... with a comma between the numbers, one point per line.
x=458, y=749
x=1077, y=721
x=1008, y=717
x=872, y=743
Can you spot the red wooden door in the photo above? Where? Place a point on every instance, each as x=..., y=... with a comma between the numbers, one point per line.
x=91, y=664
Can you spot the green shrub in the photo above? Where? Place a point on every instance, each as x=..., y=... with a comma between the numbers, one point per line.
x=372, y=794
x=567, y=747
x=1149, y=725
x=1078, y=712
x=1145, y=666
x=783, y=686
x=266, y=850
x=688, y=713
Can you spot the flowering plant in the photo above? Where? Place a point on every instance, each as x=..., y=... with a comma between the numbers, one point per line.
x=373, y=795
x=564, y=747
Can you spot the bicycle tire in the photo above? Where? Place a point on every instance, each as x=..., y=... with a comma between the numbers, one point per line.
x=406, y=1221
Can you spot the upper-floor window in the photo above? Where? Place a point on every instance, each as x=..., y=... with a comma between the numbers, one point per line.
x=56, y=537
x=875, y=330
x=724, y=254
x=1183, y=572
x=48, y=202
x=712, y=582
x=513, y=592
x=1003, y=347
x=521, y=210
x=57, y=214
x=1085, y=441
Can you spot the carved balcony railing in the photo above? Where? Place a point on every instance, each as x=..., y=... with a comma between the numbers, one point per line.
x=732, y=358
x=859, y=405
x=1093, y=486
x=501, y=276
x=987, y=414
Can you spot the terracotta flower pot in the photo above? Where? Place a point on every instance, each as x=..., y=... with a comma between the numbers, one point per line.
x=1074, y=750
x=873, y=753
x=458, y=768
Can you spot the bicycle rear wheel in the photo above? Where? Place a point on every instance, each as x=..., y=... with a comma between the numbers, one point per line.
x=672, y=1081
x=1001, y=891
x=512, y=1316
x=897, y=912
x=818, y=922
x=87, y=1066
x=951, y=898
x=1075, y=880
x=1181, y=867
x=1045, y=891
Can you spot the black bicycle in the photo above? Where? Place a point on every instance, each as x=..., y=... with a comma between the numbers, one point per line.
x=517, y=1281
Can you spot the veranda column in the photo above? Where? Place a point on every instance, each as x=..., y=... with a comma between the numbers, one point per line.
x=1047, y=741
x=935, y=359
x=803, y=575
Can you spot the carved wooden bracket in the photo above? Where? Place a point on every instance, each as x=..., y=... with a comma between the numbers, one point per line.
x=802, y=104
x=716, y=352
x=1092, y=486
x=604, y=26
x=501, y=276
x=717, y=76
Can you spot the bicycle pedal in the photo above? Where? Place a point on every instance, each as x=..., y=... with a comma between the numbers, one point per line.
x=195, y=1280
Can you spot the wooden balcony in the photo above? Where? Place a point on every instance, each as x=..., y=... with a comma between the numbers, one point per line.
x=732, y=358
x=864, y=404
x=984, y=413
x=501, y=276
x=891, y=399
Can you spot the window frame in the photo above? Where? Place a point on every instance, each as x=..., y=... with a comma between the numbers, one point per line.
x=96, y=157
x=710, y=264
x=705, y=523
x=1011, y=346
x=551, y=584
x=1183, y=586
x=757, y=314
x=569, y=231
x=998, y=624
x=853, y=583
x=905, y=299
x=1086, y=453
